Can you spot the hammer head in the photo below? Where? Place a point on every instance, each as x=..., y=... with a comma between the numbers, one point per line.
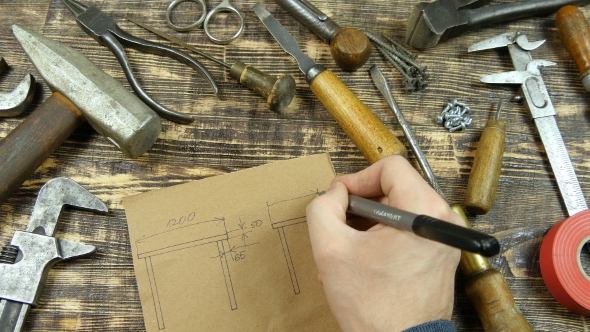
x=52, y=197
x=431, y=23
x=108, y=106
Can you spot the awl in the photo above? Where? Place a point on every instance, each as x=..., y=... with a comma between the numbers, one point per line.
x=368, y=133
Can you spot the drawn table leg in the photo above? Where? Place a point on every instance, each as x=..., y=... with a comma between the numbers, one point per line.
x=289, y=260
x=225, y=269
x=155, y=296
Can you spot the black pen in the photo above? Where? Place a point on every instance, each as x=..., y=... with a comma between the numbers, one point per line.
x=427, y=227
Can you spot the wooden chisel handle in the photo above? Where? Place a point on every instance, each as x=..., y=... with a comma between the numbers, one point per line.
x=28, y=145
x=575, y=34
x=489, y=293
x=367, y=132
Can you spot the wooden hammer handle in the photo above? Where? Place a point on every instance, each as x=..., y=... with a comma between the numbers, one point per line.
x=574, y=32
x=367, y=132
x=28, y=145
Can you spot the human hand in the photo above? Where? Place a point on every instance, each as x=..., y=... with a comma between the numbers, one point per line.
x=380, y=278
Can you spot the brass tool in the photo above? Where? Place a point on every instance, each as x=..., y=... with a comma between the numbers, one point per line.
x=487, y=165
x=575, y=34
x=368, y=133
x=485, y=286
x=350, y=48
x=278, y=91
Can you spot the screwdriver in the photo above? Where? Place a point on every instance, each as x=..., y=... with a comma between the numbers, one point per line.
x=574, y=32
x=487, y=165
x=278, y=91
x=367, y=132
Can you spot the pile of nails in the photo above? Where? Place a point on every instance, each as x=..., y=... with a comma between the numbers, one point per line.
x=455, y=116
x=414, y=75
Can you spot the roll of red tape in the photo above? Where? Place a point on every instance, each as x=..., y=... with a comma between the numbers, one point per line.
x=561, y=266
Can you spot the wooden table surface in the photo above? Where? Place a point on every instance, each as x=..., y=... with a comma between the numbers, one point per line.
x=238, y=132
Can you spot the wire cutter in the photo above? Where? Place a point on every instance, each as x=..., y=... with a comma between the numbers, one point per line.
x=105, y=31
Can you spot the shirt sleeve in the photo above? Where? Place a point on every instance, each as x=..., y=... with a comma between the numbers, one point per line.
x=434, y=326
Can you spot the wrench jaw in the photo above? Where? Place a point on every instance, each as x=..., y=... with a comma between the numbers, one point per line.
x=51, y=199
x=16, y=102
x=22, y=281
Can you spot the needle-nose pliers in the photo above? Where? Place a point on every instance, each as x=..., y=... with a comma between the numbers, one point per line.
x=106, y=32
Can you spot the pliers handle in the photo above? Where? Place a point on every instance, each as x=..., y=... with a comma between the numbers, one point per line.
x=106, y=32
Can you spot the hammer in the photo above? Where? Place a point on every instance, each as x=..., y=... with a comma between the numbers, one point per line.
x=81, y=91
x=431, y=23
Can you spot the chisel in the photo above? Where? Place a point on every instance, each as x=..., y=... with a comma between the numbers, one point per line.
x=367, y=132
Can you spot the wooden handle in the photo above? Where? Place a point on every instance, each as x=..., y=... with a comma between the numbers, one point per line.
x=278, y=91
x=365, y=130
x=489, y=293
x=350, y=48
x=487, y=165
x=28, y=145
x=573, y=28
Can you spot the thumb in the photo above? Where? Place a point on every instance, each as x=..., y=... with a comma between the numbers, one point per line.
x=326, y=215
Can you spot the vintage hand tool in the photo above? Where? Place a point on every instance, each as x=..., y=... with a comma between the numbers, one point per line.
x=106, y=32
x=575, y=34
x=205, y=18
x=431, y=23
x=81, y=91
x=487, y=165
x=370, y=135
x=350, y=47
x=278, y=91
x=25, y=263
x=485, y=286
x=573, y=292
x=18, y=100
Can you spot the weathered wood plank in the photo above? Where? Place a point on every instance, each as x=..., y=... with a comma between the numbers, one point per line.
x=237, y=132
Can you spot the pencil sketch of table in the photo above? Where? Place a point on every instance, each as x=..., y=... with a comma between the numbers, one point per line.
x=191, y=235
x=281, y=215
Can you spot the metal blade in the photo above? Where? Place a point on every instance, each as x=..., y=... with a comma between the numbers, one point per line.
x=75, y=7
x=511, y=77
x=502, y=40
x=284, y=38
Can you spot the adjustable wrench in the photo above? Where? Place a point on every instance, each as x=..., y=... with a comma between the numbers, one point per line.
x=25, y=263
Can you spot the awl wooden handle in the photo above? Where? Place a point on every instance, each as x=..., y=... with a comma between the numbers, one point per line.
x=488, y=291
x=487, y=166
x=368, y=133
x=574, y=32
x=28, y=145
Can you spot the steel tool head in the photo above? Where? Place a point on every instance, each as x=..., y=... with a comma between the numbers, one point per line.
x=284, y=38
x=108, y=106
x=504, y=40
x=51, y=199
x=15, y=102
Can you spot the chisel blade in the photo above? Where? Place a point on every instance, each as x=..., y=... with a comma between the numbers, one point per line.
x=284, y=38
